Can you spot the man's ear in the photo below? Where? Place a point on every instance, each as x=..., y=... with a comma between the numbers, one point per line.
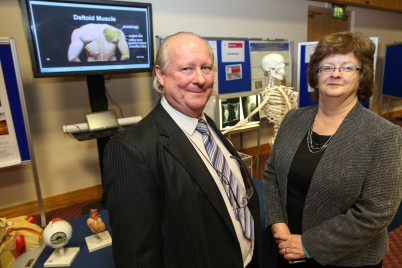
x=159, y=75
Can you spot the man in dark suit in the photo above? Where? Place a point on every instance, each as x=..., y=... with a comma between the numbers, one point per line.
x=167, y=203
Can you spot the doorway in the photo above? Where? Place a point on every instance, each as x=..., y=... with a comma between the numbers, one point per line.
x=321, y=22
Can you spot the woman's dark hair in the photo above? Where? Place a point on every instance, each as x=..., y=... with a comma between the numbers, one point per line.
x=344, y=43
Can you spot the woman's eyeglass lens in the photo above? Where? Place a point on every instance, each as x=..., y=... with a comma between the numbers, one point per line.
x=327, y=69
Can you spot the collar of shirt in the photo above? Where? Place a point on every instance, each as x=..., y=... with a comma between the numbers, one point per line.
x=187, y=123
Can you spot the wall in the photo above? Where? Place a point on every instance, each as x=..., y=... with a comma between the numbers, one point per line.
x=65, y=164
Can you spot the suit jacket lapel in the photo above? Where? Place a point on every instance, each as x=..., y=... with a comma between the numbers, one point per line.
x=295, y=137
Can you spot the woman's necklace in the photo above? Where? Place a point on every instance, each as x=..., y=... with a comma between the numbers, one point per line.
x=315, y=147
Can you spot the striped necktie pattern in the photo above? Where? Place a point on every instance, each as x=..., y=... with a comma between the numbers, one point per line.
x=230, y=185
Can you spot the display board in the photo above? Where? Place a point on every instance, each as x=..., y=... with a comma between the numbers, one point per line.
x=305, y=92
x=11, y=79
x=238, y=62
x=11, y=107
x=234, y=73
x=392, y=75
x=305, y=49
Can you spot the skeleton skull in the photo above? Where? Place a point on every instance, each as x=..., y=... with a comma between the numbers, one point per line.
x=273, y=65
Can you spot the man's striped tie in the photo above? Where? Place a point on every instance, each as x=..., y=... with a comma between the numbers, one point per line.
x=232, y=189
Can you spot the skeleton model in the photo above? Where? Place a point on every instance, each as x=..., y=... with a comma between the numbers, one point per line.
x=277, y=100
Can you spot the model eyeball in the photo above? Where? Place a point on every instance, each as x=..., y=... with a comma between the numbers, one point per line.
x=57, y=233
x=58, y=238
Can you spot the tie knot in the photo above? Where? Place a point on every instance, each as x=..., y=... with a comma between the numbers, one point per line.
x=202, y=127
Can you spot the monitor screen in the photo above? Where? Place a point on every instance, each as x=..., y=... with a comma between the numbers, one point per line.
x=88, y=37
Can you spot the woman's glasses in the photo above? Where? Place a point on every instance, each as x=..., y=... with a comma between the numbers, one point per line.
x=328, y=69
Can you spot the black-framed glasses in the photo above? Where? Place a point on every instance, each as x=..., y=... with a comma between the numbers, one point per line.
x=328, y=69
x=245, y=195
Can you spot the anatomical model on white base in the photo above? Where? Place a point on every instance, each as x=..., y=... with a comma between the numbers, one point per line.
x=56, y=235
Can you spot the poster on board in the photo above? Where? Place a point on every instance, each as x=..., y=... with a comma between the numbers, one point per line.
x=13, y=105
x=9, y=152
x=258, y=50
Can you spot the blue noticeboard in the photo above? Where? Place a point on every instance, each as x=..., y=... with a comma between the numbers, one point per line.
x=9, y=66
x=392, y=75
x=304, y=52
x=233, y=85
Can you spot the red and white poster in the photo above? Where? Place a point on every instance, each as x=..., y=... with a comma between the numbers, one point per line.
x=233, y=51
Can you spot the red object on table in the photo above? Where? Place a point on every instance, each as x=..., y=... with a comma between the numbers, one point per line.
x=19, y=245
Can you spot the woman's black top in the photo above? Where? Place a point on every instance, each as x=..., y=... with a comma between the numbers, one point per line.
x=299, y=178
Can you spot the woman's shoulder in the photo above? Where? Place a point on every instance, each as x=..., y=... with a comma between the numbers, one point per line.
x=375, y=121
x=377, y=127
x=302, y=112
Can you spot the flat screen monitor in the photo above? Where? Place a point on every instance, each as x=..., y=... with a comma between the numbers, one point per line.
x=88, y=37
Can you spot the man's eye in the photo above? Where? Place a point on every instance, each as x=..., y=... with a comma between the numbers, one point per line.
x=206, y=69
x=187, y=69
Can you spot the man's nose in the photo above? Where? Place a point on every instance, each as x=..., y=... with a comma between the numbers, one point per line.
x=199, y=75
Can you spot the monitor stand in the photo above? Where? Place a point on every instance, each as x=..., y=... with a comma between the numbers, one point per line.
x=98, y=101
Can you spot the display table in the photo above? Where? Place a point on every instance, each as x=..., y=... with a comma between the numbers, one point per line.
x=103, y=257
x=96, y=259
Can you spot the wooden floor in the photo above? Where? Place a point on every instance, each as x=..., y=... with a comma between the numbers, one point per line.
x=394, y=257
